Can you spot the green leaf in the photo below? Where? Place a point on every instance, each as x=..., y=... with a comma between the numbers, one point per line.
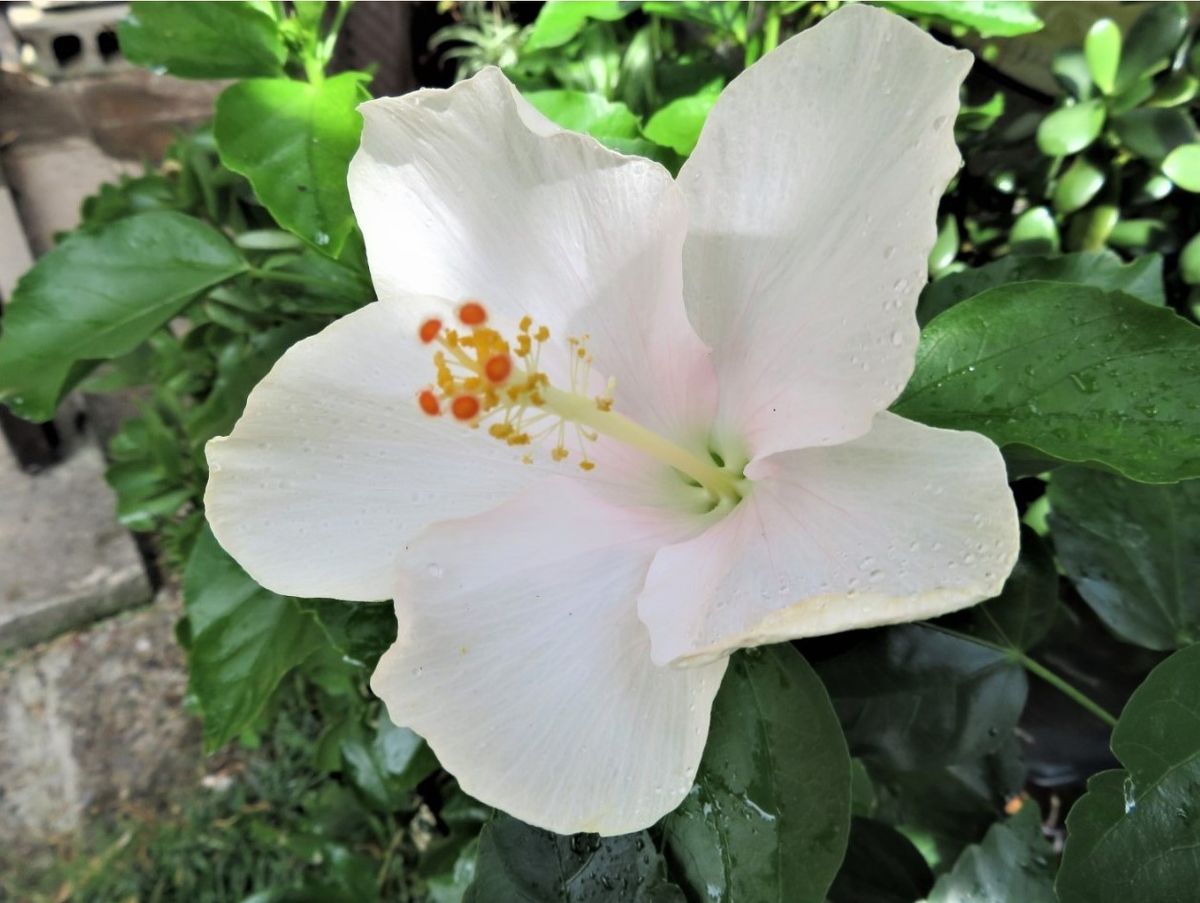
x=202, y=40
x=1021, y=616
x=1070, y=129
x=881, y=866
x=100, y=294
x=1153, y=133
x=387, y=766
x=917, y=698
x=590, y=114
x=521, y=864
x=1014, y=862
x=678, y=124
x=945, y=249
x=1133, y=552
x=990, y=18
x=1078, y=185
x=1182, y=166
x=1151, y=42
x=1135, y=834
x=1102, y=48
x=1177, y=89
x=293, y=140
x=244, y=639
x=1079, y=374
x=240, y=367
x=1141, y=278
x=560, y=20
x=1189, y=261
x=769, y=815
x=1034, y=232
x=360, y=631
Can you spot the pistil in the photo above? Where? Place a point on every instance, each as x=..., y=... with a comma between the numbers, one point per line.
x=484, y=378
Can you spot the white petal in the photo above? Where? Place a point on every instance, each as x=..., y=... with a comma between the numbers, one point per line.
x=471, y=193
x=521, y=660
x=812, y=195
x=907, y=522
x=332, y=466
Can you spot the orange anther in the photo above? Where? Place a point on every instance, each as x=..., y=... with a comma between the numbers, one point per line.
x=498, y=367
x=472, y=314
x=429, y=403
x=429, y=330
x=465, y=407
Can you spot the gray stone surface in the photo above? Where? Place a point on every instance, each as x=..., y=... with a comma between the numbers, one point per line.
x=64, y=560
x=92, y=725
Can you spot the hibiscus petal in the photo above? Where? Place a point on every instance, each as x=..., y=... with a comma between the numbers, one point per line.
x=471, y=193
x=907, y=522
x=332, y=466
x=812, y=195
x=521, y=660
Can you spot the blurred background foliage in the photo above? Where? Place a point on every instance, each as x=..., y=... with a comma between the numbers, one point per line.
x=1082, y=168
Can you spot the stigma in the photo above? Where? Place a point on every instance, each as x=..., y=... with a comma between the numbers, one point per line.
x=485, y=379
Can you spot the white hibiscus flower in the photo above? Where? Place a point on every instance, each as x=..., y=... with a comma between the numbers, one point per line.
x=713, y=356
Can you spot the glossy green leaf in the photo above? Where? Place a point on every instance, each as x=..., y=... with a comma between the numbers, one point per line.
x=1070, y=129
x=1115, y=393
x=239, y=368
x=1182, y=166
x=1133, y=552
x=1141, y=235
x=678, y=124
x=560, y=20
x=244, y=639
x=1189, y=261
x=1021, y=616
x=881, y=866
x=945, y=248
x=1102, y=48
x=769, y=815
x=1078, y=185
x=1151, y=42
x=917, y=698
x=1091, y=229
x=360, y=631
x=1070, y=69
x=990, y=18
x=521, y=864
x=1179, y=88
x=1013, y=862
x=1034, y=232
x=1142, y=278
x=100, y=294
x=1135, y=834
x=591, y=114
x=203, y=40
x=387, y=766
x=1152, y=133
x=293, y=140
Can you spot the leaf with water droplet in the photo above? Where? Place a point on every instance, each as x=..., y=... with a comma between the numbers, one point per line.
x=1134, y=835
x=769, y=816
x=1071, y=371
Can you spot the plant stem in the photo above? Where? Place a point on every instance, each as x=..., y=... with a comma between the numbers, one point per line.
x=1035, y=668
x=1065, y=688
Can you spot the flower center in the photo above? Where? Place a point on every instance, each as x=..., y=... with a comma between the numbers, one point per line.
x=486, y=379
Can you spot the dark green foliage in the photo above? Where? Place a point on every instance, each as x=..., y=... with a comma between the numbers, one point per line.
x=769, y=814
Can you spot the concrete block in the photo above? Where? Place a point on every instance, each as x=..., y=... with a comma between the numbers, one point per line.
x=64, y=560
